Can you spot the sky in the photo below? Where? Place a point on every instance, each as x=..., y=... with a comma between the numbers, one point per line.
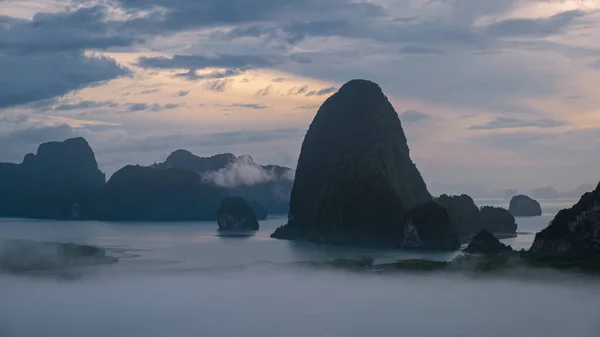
x=504, y=94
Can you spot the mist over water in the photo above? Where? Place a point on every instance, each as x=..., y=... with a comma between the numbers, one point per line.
x=182, y=279
x=270, y=302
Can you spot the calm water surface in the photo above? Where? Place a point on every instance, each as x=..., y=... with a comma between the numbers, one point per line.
x=184, y=280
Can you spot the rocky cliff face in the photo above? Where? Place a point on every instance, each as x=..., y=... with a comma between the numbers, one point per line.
x=522, y=205
x=355, y=181
x=576, y=229
x=498, y=220
x=45, y=184
x=269, y=185
x=144, y=193
x=235, y=213
x=469, y=220
x=57, y=165
x=465, y=215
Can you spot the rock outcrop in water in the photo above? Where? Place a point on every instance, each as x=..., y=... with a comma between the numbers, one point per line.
x=465, y=215
x=498, y=220
x=522, y=205
x=31, y=256
x=269, y=185
x=573, y=230
x=468, y=219
x=45, y=184
x=355, y=181
x=235, y=213
x=485, y=242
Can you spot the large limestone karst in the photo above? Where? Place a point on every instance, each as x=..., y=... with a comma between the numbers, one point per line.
x=573, y=230
x=45, y=184
x=269, y=185
x=355, y=181
x=469, y=220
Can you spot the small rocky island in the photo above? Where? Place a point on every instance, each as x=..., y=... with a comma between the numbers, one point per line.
x=485, y=242
x=469, y=220
x=235, y=214
x=22, y=256
x=522, y=205
x=356, y=183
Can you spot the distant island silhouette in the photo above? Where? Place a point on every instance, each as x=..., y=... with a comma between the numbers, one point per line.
x=355, y=184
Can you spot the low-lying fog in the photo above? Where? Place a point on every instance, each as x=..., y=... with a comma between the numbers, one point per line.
x=179, y=280
x=269, y=301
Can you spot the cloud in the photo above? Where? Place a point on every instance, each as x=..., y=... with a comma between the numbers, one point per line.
x=182, y=93
x=171, y=16
x=218, y=85
x=191, y=75
x=170, y=106
x=413, y=116
x=279, y=80
x=264, y=91
x=66, y=31
x=86, y=105
x=203, y=61
x=243, y=171
x=420, y=50
x=538, y=27
x=307, y=107
x=28, y=78
x=298, y=90
x=510, y=122
x=149, y=91
x=321, y=92
x=133, y=107
x=246, y=106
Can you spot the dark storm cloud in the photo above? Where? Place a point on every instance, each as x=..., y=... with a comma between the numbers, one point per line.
x=84, y=28
x=43, y=57
x=86, y=105
x=30, y=77
x=321, y=92
x=510, y=122
x=413, y=116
